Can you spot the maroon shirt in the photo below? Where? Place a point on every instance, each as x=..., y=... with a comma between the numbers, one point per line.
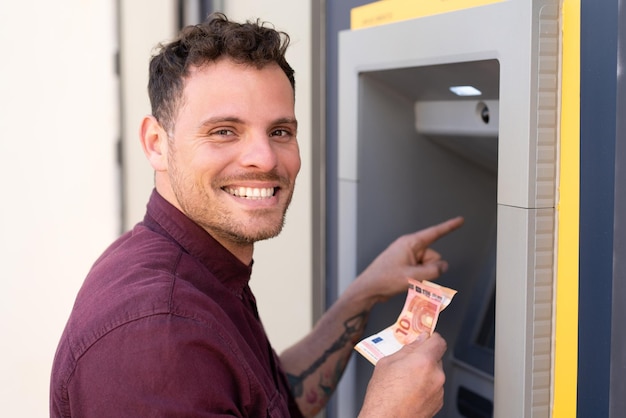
x=165, y=325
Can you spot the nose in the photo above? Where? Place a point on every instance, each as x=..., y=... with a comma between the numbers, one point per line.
x=259, y=152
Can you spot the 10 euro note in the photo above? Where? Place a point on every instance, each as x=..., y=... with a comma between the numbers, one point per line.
x=424, y=301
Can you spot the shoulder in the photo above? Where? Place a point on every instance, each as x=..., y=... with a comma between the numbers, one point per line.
x=133, y=279
x=139, y=318
x=188, y=365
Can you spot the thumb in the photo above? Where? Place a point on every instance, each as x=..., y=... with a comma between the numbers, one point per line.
x=418, y=341
x=429, y=271
x=431, y=345
x=420, y=338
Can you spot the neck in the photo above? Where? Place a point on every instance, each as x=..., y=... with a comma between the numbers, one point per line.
x=242, y=251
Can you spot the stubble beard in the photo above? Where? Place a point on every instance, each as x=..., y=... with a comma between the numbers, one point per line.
x=214, y=217
x=243, y=236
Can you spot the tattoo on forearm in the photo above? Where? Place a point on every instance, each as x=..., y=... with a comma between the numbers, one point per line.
x=352, y=327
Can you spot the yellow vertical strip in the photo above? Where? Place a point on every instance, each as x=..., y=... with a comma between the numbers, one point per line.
x=566, y=331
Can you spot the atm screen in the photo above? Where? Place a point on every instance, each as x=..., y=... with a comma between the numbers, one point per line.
x=487, y=333
x=475, y=345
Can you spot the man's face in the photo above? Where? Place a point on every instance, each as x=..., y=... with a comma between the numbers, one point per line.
x=232, y=154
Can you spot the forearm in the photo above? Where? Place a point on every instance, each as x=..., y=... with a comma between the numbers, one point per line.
x=315, y=364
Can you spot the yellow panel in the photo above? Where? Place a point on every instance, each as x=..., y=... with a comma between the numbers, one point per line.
x=566, y=343
x=387, y=11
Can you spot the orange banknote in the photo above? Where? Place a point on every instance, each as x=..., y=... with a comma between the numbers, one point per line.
x=424, y=301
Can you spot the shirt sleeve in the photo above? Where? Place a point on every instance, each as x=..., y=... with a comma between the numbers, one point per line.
x=160, y=366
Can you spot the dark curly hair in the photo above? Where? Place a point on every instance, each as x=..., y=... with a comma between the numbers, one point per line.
x=251, y=43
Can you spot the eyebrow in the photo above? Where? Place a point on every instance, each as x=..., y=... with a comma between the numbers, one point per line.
x=220, y=119
x=286, y=121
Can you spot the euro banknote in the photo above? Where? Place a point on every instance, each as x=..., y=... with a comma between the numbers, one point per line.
x=424, y=301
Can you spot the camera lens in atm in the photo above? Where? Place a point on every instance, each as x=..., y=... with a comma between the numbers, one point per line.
x=483, y=112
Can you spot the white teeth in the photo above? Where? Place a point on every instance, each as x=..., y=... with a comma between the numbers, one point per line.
x=251, y=193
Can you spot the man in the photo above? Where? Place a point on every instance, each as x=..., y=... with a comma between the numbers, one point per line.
x=165, y=323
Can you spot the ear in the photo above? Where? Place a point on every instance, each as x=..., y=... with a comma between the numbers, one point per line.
x=154, y=142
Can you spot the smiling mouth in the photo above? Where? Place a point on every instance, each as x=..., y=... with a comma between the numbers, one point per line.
x=251, y=192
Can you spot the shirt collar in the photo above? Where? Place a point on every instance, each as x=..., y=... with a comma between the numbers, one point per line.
x=197, y=242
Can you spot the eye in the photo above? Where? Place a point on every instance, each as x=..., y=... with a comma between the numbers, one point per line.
x=281, y=134
x=222, y=132
x=222, y=135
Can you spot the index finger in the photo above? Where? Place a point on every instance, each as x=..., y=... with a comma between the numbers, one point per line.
x=427, y=236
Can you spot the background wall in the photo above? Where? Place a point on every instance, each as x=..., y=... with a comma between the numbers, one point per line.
x=61, y=117
x=60, y=200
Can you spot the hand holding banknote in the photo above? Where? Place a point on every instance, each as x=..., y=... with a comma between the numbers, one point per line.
x=410, y=352
x=424, y=301
x=408, y=383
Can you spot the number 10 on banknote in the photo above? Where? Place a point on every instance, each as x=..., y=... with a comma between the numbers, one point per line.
x=424, y=301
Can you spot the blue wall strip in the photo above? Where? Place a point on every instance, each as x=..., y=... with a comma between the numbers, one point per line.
x=597, y=186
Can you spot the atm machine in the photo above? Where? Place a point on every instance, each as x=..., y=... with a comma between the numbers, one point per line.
x=415, y=148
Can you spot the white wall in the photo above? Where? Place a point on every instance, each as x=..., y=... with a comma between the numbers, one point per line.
x=143, y=24
x=59, y=125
